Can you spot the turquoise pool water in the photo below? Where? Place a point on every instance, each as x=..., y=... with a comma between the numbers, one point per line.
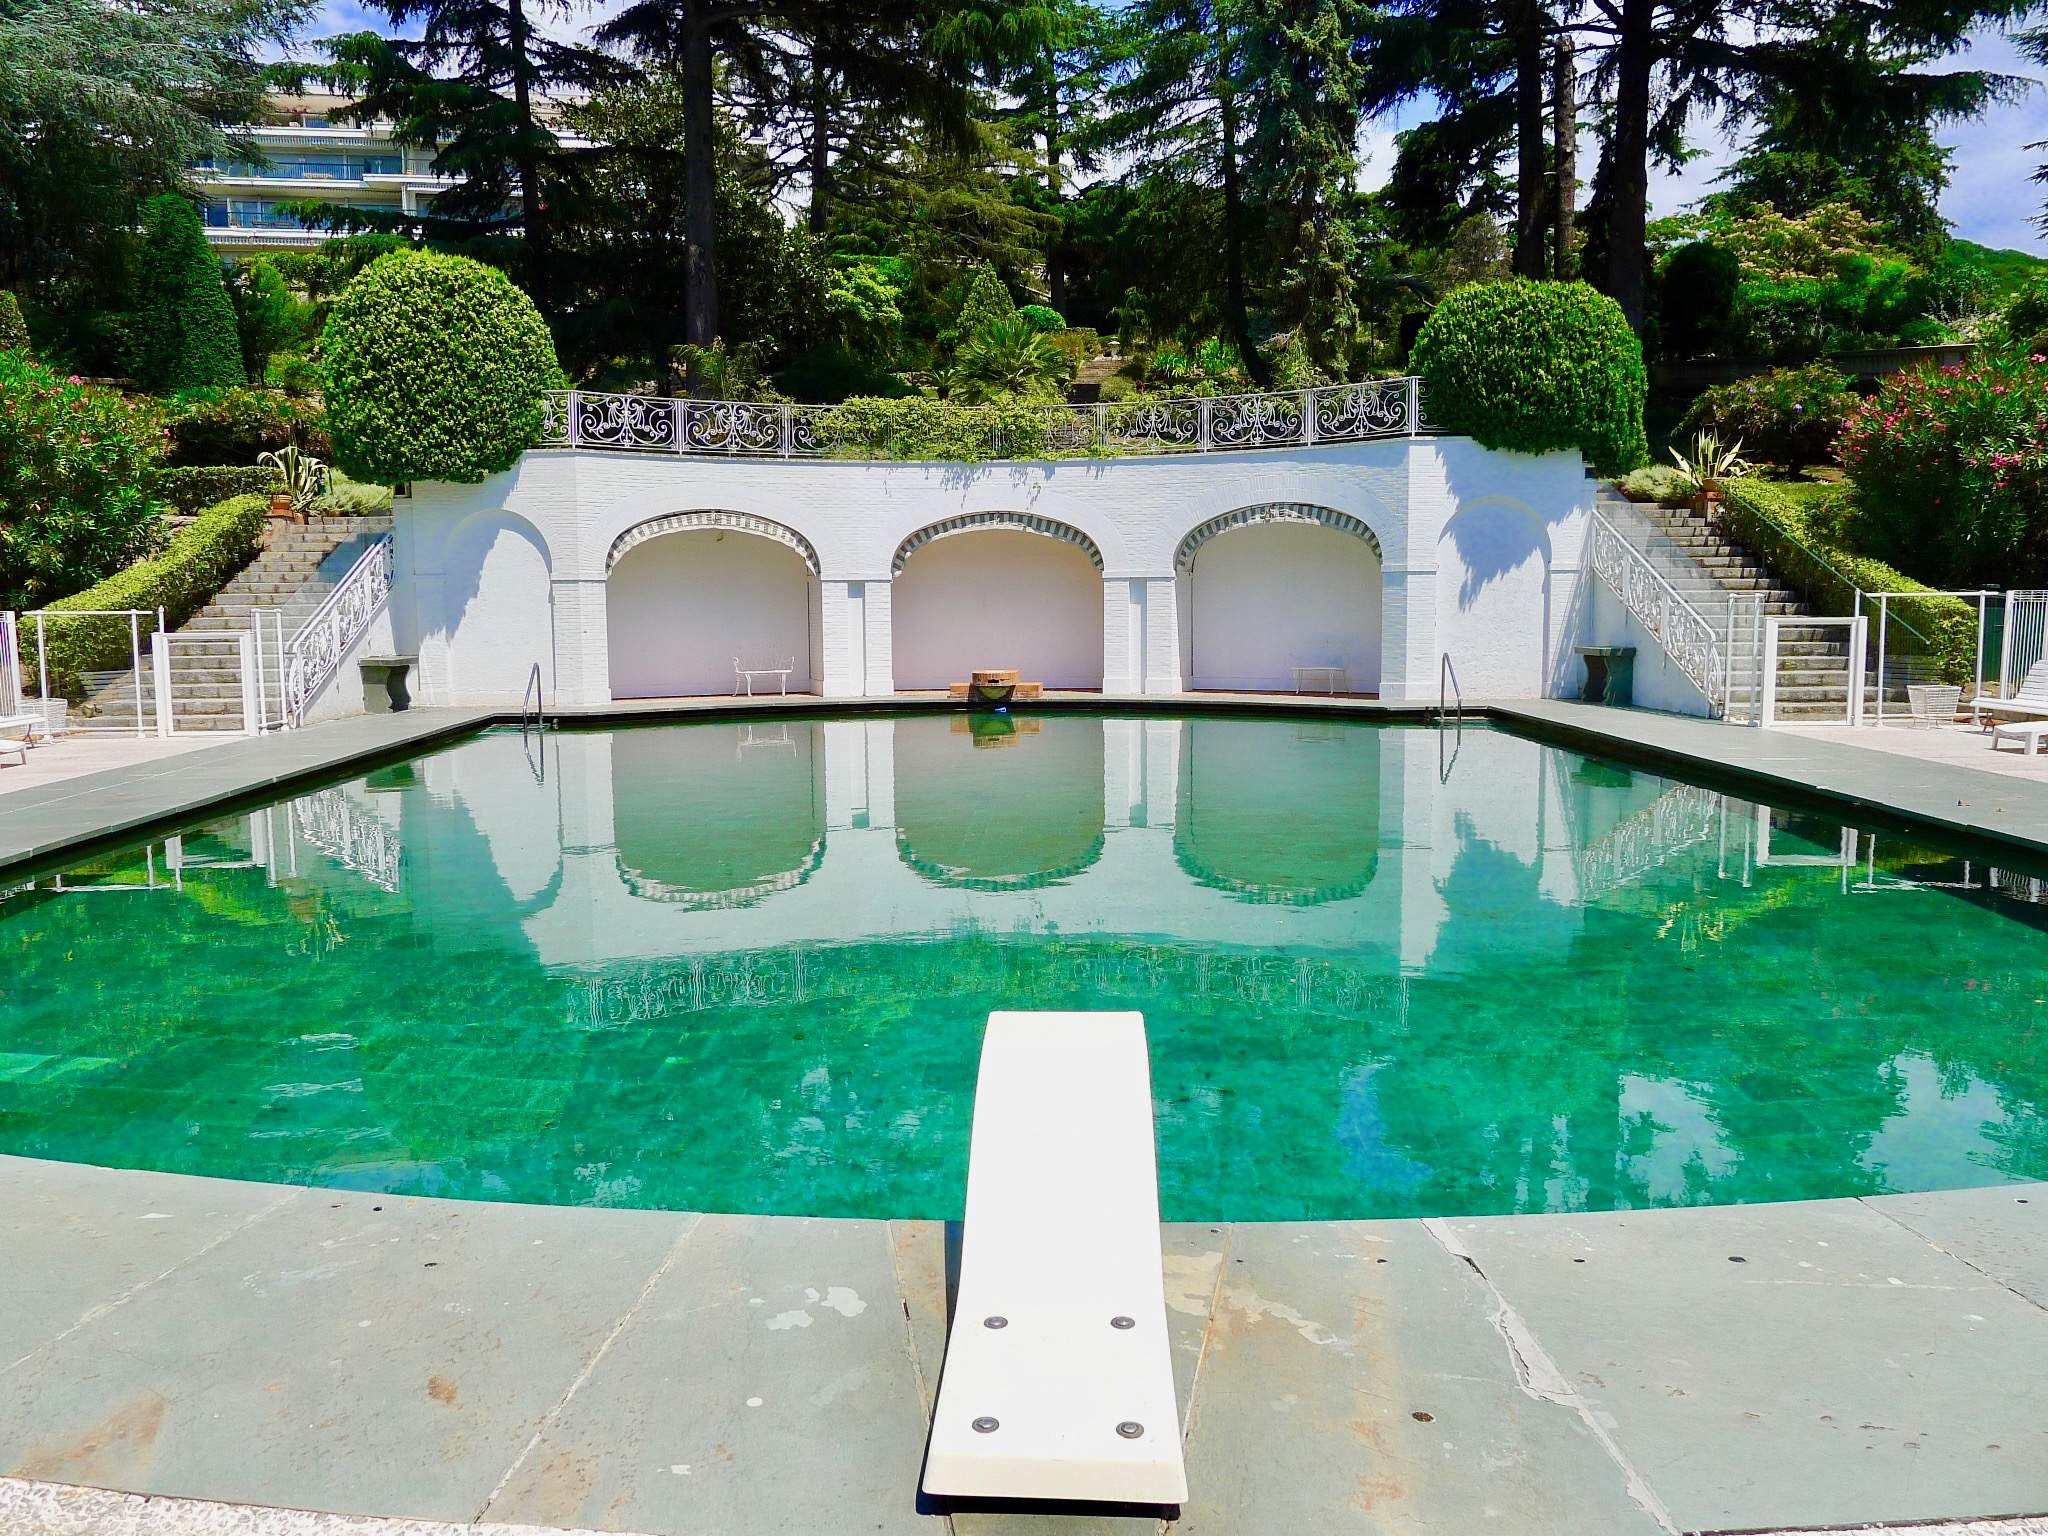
x=745, y=968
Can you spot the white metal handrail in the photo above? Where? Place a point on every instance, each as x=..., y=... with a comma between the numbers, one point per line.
x=1688, y=639
x=315, y=651
x=1333, y=413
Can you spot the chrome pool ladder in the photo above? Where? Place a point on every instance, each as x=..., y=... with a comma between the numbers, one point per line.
x=1448, y=696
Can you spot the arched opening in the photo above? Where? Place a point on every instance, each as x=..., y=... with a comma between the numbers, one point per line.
x=689, y=596
x=996, y=802
x=1278, y=811
x=499, y=596
x=1493, y=599
x=715, y=818
x=1269, y=590
x=1019, y=593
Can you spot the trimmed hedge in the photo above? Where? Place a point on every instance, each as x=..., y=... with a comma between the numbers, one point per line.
x=1536, y=367
x=435, y=368
x=926, y=429
x=1789, y=529
x=192, y=487
x=13, y=329
x=231, y=426
x=181, y=579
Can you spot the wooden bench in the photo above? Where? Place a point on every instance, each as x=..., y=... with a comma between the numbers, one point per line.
x=1058, y=1383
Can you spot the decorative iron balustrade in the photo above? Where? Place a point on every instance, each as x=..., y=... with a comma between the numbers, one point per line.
x=331, y=823
x=1335, y=413
x=1683, y=817
x=1688, y=639
x=316, y=650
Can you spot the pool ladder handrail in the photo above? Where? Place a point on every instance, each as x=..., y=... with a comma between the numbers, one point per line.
x=533, y=703
x=1448, y=692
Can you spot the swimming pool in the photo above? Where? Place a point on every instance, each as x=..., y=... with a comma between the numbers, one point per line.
x=744, y=967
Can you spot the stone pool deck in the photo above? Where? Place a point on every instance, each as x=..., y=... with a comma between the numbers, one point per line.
x=1821, y=1364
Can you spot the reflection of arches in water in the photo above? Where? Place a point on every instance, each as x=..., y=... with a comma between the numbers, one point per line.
x=1270, y=813
x=1024, y=813
x=702, y=819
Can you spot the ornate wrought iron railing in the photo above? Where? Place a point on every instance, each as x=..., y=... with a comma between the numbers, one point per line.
x=316, y=649
x=1335, y=413
x=350, y=835
x=1688, y=639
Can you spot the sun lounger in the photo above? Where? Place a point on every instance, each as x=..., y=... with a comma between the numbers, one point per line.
x=17, y=734
x=1058, y=1384
x=2029, y=703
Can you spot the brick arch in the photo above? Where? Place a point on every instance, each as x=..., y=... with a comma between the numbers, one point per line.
x=1272, y=512
x=1016, y=522
x=691, y=522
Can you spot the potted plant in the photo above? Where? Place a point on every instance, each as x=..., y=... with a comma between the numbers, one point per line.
x=1706, y=467
x=301, y=477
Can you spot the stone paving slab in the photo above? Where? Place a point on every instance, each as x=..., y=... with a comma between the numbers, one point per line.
x=39, y=821
x=1805, y=1364
x=765, y=1385
x=2002, y=1231
x=1996, y=807
x=79, y=1239
x=1354, y=1374
x=352, y=1353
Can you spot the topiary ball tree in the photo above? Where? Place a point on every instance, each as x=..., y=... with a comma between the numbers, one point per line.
x=185, y=336
x=435, y=369
x=1536, y=367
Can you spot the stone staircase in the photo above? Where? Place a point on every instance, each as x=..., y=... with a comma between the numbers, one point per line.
x=1707, y=568
x=299, y=565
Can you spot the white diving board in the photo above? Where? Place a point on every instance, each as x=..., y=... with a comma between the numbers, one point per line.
x=1058, y=1382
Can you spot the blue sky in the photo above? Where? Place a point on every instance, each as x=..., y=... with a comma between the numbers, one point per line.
x=1990, y=198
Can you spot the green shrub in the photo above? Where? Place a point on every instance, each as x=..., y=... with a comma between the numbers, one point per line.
x=190, y=487
x=232, y=426
x=1793, y=529
x=185, y=335
x=1951, y=471
x=13, y=329
x=1118, y=386
x=1785, y=321
x=180, y=578
x=77, y=482
x=1081, y=344
x=1042, y=318
x=1536, y=367
x=435, y=367
x=1005, y=359
x=1788, y=416
x=985, y=302
x=352, y=498
x=836, y=372
x=924, y=429
x=2025, y=318
x=1657, y=482
x=1696, y=298
x=1217, y=359
x=268, y=318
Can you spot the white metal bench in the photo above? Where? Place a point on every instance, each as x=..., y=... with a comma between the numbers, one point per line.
x=1336, y=679
x=744, y=676
x=1058, y=1383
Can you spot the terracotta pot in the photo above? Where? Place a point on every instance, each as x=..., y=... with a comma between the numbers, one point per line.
x=281, y=505
x=1707, y=504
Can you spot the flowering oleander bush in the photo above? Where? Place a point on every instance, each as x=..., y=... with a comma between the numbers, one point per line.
x=1951, y=471
x=1789, y=416
x=1535, y=367
x=436, y=368
x=78, y=469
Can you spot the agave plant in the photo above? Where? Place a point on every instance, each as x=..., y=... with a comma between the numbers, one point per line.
x=304, y=476
x=1008, y=358
x=1710, y=463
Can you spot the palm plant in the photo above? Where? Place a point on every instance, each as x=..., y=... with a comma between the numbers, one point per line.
x=1007, y=358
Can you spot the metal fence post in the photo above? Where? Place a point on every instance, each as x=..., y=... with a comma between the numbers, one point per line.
x=1202, y=425
x=160, y=658
x=135, y=656
x=1308, y=416
x=574, y=405
x=1414, y=405
x=785, y=430
x=245, y=649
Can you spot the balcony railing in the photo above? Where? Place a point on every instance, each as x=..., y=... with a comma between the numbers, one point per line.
x=1297, y=418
